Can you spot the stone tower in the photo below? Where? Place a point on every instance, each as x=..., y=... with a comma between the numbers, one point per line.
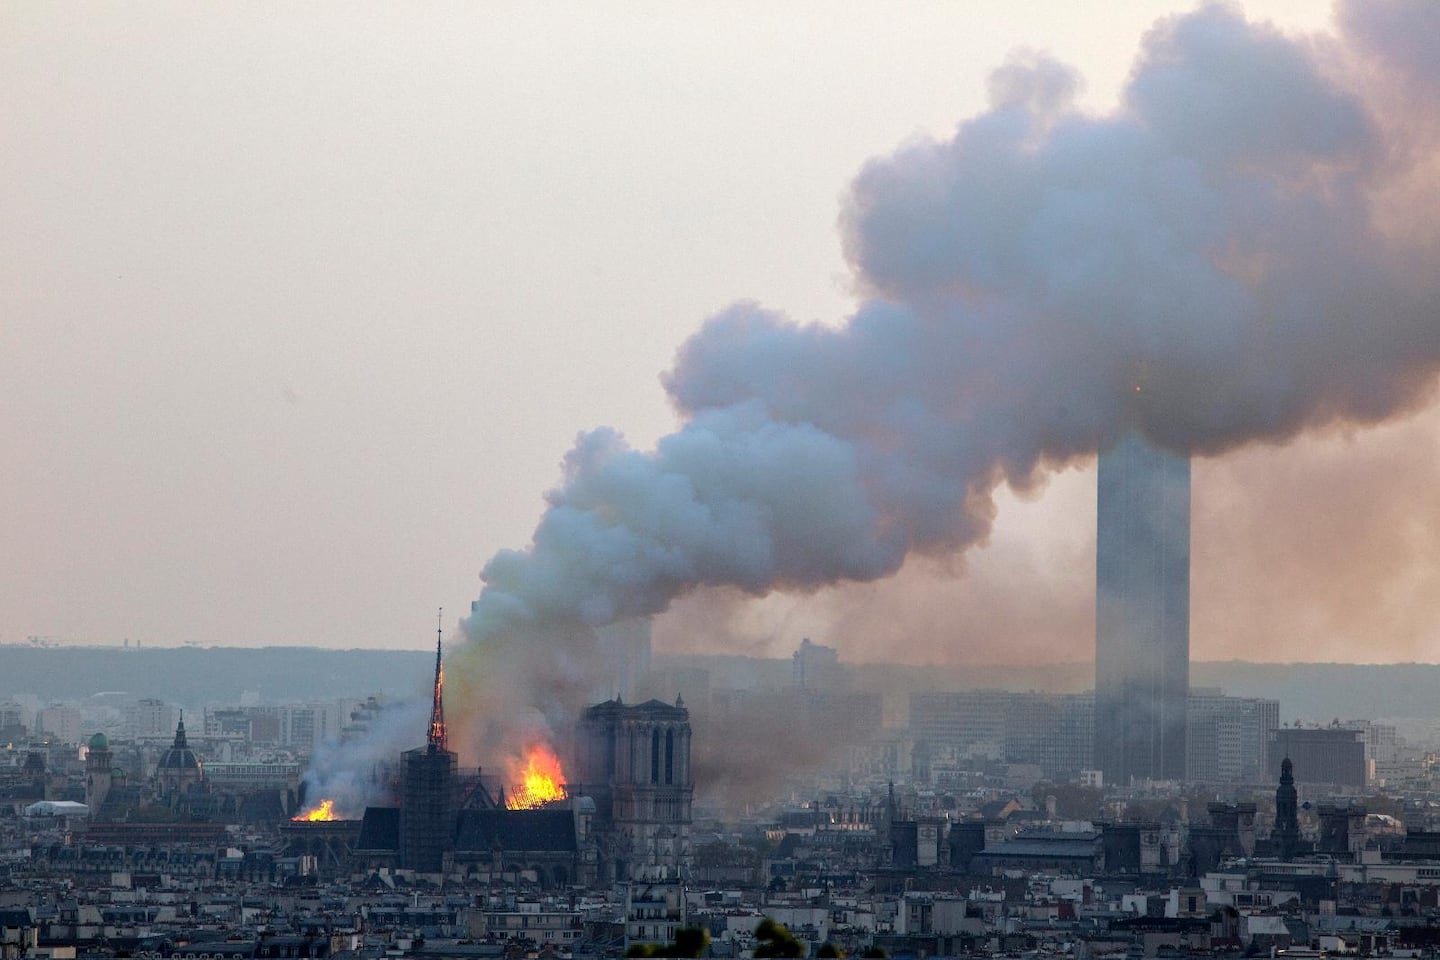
x=1286, y=836
x=635, y=762
x=98, y=764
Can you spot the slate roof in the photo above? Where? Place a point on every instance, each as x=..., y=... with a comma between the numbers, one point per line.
x=1076, y=846
x=379, y=829
x=789, y=844
x=481, y=830
x=996, y=809
x=15, y=918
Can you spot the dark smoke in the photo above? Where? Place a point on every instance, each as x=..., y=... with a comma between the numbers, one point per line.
x=1241, y=252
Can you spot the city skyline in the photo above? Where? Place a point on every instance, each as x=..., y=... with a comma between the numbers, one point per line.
x=897, y=480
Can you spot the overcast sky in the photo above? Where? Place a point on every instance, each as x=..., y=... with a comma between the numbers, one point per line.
x=301, y=305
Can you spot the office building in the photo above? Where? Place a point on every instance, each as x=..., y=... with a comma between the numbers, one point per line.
x=149, y=719
x=1142, y=612
x=815, y=666
x=1324, y=756
x=1052, y=731
x=59, y=722
x=1228, y=739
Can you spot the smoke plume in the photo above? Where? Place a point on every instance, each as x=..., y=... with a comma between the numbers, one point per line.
x=355, y=771
x=1242, y=251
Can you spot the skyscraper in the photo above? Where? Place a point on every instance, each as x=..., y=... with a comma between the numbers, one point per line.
x=1142, y=612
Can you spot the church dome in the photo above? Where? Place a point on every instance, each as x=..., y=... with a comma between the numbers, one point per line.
x=179, y=758
x=98, y=742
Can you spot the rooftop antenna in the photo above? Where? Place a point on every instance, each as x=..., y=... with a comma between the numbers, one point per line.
x=438, y=741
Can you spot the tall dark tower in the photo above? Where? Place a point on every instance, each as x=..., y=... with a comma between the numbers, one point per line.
x=428, y=803
x=1285, y=838
x=1142, y=612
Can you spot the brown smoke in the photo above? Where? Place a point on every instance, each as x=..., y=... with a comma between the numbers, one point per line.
x=1328, y=549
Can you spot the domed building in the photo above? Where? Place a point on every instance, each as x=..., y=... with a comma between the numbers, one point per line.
x=180, y=770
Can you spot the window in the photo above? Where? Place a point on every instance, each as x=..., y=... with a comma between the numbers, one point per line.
x=669, y=756
x=655, y=756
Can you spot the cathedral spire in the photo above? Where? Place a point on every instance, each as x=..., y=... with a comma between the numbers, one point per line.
x=438, y=740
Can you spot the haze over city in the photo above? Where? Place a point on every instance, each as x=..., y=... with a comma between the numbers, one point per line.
x=914, y=480
x=306, y=306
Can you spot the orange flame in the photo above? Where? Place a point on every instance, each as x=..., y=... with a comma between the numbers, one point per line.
x=541, y=780
x=325, y=811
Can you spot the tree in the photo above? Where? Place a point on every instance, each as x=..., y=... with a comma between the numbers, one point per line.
x=689, y=942
x=776, y=941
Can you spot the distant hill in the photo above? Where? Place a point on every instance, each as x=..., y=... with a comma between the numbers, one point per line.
x=1327, y=691
x=1308, y=691
x=199, y=675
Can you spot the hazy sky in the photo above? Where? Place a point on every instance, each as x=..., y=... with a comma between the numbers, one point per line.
x=300, y=306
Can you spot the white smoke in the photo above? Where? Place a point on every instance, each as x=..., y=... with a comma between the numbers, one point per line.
x=1234, y=255
x=353, y=770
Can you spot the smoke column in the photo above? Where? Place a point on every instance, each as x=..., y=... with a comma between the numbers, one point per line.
x=1242, y=251
x=353, y=772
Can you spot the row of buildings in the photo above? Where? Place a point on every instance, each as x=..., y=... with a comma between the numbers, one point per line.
x=1230, y=740
x=899, y=870
x=297, y=727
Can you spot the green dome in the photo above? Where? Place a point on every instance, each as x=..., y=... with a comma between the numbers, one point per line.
x=98, y=742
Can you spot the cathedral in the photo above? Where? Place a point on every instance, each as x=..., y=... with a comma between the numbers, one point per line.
x=626, y=817
x=634, y=761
